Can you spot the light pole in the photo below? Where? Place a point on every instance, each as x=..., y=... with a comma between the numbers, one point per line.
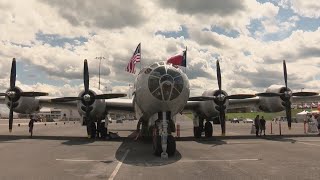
x=100, y=57
x=302, y=89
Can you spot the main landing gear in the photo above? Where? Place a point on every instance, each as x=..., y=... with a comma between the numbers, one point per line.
x=164, y=143
x=207, y=128
x=95, y=131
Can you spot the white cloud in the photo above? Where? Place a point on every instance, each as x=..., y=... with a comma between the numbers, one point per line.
x=241, y=73
x=304, y=8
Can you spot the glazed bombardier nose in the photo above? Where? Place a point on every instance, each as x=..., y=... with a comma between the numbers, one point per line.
x=165, y=84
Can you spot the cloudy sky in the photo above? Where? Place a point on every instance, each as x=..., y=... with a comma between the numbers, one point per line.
x=51, y=38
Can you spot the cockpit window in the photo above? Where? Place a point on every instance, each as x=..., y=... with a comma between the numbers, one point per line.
x=173, y=73
x=166, y=78
x=165, y=85
x=178, y=83
x=154, y=65
x=157, y=94
x=159, y=71
x=153, y=83
x=166, y=90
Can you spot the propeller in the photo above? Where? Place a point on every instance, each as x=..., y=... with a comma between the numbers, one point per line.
x=286, y=95
x=220, y=99
x=14, y=93
x=88, y=96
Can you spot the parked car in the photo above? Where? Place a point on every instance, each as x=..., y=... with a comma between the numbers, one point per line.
x=247, y=120
x=235, y=120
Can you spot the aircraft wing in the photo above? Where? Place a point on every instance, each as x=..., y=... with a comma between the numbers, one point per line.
x=302, y=99
x=46, y=102
x=238, y=103
x=119, y=105
x=191, y=106
x=112, y=105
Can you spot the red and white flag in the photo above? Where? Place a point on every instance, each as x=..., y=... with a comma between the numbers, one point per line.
x=136, y=57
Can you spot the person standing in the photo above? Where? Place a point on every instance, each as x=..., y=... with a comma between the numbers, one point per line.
x=31, y=123
x=263, y=126
x=318, y=121
x=257, y=124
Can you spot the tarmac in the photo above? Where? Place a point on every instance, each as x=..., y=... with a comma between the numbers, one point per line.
x=62, y=151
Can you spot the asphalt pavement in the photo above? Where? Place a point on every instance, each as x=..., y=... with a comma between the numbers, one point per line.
x=62, y=151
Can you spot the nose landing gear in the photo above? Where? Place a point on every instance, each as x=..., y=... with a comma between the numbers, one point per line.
x=163, y=142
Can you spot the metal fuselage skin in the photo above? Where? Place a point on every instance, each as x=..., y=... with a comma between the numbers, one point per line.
x=160, y=87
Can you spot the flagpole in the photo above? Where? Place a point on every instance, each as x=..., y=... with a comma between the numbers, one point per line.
x=186, y=61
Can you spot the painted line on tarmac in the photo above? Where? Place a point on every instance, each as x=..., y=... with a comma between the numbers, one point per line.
x=217, y=160
x=308, y=143
x=192, y=160
x=115, y=171
x=82, y=160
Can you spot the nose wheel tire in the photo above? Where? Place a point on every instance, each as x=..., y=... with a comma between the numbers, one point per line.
x=208, y=129
x=171, y=145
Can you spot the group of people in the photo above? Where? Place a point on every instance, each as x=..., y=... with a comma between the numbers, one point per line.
x=313, y=123
x=260, y=125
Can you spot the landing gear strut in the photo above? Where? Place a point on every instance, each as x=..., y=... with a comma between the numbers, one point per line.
x=163, y=142
x=208, y=129
x=197, y=130
x=91, y=129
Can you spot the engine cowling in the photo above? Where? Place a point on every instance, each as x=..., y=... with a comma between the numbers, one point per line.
x=210, y=108
x=25, y=105
x=273, y=104
x=97, y=106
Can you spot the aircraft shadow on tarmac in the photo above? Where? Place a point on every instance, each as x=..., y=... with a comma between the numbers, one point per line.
x=140, y=154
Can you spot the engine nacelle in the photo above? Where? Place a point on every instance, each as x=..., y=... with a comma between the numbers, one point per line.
x=97, y=106
x=25, y=105
x=272, y=104
x=209, y=108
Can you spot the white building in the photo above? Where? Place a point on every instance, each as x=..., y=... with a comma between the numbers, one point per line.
x=59, y=114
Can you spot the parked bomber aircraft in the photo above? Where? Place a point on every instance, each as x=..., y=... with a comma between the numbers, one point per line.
x=162, y=91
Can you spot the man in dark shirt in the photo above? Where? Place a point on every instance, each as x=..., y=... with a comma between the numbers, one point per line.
x=31, y=122
x=263, y=126
x=257, y=124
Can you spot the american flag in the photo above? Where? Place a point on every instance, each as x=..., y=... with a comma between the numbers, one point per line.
x=136, y=57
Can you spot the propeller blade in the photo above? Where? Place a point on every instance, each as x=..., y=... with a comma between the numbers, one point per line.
x=3, y=94
x=202, y=98
x=285, y=74
x=241, y=96
x=219, y=75
x=13, y=74
x=222, y=120
x=268, y=94
x=86, y=77
x=288, y=113
x=305, y=94
x=110, y=96
x=11, y=117
x=33, y=94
